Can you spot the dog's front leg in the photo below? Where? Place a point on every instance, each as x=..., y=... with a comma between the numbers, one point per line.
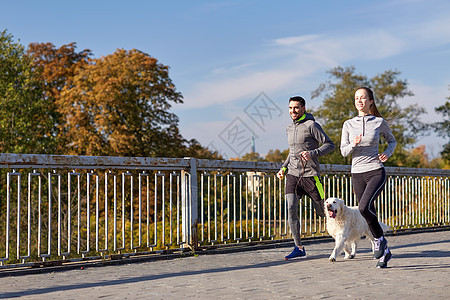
x=350, y=250
x=339, y=244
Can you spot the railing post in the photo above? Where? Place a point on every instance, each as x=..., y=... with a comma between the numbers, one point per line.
x=189, y=203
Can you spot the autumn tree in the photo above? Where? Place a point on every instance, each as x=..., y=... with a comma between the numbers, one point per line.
x=276, y=155
x=194, y=149
x=25, y=122
x=271, y=156
x=138, y=76
x=443, y=128
x=56, y=68
x=250, y=156
x=119, y=105
x=338, y=106
x=416, y=158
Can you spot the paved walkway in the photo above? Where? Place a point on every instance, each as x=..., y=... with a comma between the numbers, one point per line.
x=420, y=268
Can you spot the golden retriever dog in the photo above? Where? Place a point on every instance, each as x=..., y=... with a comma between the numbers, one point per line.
x=346, y=225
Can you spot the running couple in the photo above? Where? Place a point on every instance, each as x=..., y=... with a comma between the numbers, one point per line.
x=360, y=138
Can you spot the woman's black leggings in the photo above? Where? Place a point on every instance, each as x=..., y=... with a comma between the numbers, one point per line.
x=367, y=187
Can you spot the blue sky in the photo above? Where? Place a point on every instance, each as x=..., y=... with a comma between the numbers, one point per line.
x=237, y=62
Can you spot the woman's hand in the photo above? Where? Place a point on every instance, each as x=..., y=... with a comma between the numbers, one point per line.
x=357, y=139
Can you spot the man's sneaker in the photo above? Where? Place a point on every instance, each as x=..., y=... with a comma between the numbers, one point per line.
x=297, y=253
x=379, y=247
x=382, y=263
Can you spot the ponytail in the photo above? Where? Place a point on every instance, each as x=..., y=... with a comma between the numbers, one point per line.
x=374, y=110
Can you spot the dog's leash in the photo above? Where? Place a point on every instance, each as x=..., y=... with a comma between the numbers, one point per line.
x=301, y=176
x=303, y=165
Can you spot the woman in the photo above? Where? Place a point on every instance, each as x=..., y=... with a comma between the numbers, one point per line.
x=360, y=138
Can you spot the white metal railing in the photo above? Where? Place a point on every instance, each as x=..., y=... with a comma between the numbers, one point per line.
x=79, y=207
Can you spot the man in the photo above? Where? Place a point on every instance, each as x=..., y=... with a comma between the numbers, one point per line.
x=307, y=141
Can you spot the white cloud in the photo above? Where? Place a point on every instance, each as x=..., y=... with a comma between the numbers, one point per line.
x=368, y=45
x=295, y=59
x=303, y=57
x=224, y=70
x=297, y=40
x=289, y=61
x=230, y=89
x=430, y=33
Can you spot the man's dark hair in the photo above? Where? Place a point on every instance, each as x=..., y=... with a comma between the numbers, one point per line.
x=298, y=99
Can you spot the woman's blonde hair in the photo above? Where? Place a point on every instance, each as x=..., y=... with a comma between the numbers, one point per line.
x=373, y=110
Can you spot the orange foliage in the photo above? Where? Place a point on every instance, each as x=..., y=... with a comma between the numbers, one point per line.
x=118, y=105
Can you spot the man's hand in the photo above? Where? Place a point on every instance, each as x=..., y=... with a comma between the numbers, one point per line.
x=280, y=174
x=383, y=157
x=305, y=155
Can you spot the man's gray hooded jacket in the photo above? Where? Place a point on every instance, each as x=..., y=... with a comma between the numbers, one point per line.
x=305, y=134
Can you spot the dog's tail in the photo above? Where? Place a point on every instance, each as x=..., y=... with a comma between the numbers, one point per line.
x=385, y=227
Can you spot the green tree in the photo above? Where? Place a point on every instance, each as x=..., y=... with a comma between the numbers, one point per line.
x=25, y=122
x=338, y=106
x=443, y=128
